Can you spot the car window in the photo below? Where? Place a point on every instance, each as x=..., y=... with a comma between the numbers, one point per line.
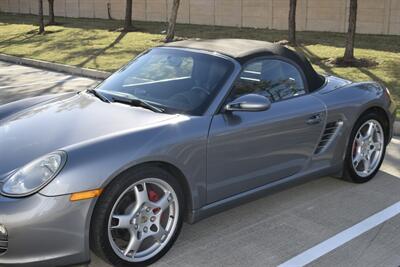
x=162, y=67
x=273, y=78
x=176, y=80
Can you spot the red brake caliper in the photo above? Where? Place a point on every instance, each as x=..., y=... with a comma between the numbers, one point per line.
x=153, y=197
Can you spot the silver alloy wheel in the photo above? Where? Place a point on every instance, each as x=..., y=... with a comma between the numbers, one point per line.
x=367, y=148
x=139, y=228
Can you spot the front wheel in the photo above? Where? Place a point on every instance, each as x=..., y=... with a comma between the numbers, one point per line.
x=137, y=218
x=366, y=149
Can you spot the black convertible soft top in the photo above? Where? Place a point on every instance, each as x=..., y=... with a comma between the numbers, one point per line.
x=243, y=50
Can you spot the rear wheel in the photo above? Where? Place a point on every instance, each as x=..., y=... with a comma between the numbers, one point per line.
x=137, y=218
x=366, y=149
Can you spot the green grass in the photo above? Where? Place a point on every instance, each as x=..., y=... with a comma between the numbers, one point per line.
x=90, y=43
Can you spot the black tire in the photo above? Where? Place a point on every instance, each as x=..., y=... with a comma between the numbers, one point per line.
x=349, y=172
x=99, y=241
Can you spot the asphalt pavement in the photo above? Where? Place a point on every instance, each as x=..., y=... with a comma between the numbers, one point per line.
x=325, y=222
x=17, y=82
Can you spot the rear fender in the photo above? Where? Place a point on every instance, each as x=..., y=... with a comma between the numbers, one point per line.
x=346, y=104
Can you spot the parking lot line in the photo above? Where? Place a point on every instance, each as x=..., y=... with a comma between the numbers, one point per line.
x=341, y=238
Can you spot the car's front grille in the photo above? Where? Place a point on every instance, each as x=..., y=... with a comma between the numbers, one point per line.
x=330, y=131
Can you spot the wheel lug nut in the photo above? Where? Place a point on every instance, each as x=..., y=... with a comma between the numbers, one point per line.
x=152, y=219
x=136, y=226
x=148, y=209
x=145, y=229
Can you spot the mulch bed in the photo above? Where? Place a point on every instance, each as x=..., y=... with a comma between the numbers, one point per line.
x=357, y=62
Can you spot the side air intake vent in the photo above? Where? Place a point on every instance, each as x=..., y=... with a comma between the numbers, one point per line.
x=330, y=131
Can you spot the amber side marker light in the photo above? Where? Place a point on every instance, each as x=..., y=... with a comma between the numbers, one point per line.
x=85, y=195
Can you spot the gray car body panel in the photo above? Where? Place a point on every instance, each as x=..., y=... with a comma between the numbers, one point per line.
x=275, y=143
x=102, y=140
x=45, y=231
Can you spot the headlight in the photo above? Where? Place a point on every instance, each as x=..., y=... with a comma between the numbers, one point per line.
x=35, y=175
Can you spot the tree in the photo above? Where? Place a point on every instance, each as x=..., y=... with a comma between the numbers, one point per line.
x=292, y=22
x=52, y=20
x=351, y=32
x=128, y=16
x=41, y=19
x=172, y=22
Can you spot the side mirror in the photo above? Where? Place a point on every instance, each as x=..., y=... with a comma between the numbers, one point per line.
x=250, y=103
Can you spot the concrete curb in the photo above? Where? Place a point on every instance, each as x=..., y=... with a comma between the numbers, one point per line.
x=396, y=128
x=94, y=74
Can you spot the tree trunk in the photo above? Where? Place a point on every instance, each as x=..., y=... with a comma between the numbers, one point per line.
x=292, y=22
x=41, y=19
x=109, y=11
x=351, y=33
x=172, y=22
x=52, y=20
x=128, y=16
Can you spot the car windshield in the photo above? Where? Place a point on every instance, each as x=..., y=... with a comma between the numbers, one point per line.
x=175, y=80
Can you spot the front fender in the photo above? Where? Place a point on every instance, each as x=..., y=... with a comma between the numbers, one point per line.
x=94, y=164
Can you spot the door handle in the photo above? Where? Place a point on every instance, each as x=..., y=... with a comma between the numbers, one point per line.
x=315, y=119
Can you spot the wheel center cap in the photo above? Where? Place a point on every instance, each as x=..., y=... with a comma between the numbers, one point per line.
x=144, y=219
x=365, y=147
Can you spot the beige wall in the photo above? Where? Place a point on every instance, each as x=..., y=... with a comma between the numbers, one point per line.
x=374, y=16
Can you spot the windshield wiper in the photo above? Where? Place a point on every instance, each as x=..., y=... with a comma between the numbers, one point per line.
x=136, y=102
x=98, y=95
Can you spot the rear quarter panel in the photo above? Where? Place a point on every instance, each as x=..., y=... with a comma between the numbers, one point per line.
x=346, y=102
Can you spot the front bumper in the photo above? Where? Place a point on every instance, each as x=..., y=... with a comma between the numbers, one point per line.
x=45, y=231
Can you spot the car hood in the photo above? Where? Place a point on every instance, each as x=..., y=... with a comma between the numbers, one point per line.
x=56, y=124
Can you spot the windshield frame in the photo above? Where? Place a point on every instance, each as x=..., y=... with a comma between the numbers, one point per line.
x=213, y=104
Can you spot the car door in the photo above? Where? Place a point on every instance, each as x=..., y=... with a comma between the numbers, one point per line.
x=250, y=149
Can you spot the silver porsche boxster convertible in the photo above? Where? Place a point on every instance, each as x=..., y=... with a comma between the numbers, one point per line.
x=185, y=130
